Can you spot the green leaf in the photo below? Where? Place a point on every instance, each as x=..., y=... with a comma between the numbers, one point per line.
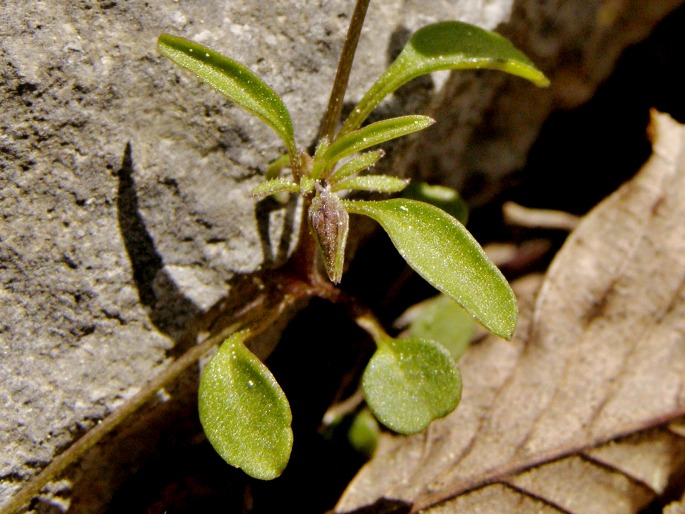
x=378, y=183
x=275, y=168
x=410, y=382
x=443, y=197
x=244, y=412
x=319, y=162
x=443, y=320
x=355, y=165
x=273, y=186
x=373, y=134
x=449, y=45
x=234, y=81
x=364, y=433
x=443, y=252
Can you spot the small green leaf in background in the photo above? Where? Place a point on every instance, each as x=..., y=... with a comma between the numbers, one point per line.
x=443, y=320
x=244, y=412
x=410, y=382
x=275, y=168
x=373, y=134
x=449, y=45
x=363, y=433
x=234, y=81
x=444, y=197
x=446, y=255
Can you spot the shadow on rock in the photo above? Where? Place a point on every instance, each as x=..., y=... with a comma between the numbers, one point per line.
x=168, y=308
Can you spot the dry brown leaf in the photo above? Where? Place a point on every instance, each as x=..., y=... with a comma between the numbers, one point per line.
x=573, y=415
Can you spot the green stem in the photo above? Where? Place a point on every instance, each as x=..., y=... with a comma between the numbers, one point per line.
x=342, y=76
x=343, y=408
x=94, y=436
x=372, y=326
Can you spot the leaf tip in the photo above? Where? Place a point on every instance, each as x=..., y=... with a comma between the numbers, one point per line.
x=503, y=324
x=540, y=79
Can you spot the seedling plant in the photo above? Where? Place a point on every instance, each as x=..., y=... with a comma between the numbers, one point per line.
x=409, y=381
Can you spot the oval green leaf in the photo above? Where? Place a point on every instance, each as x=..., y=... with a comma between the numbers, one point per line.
x=449, y=45
x=443, y=252
x=244, y=412
x=373, y=134
x=234, y=81
x=410, y=382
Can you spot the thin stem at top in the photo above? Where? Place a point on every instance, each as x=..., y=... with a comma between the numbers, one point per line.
x=342, y=76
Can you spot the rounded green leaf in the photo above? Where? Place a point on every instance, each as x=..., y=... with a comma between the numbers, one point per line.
x=244, y=412
x=234, y=81
x=410, y=382
x=448, y=45
x=443, y=252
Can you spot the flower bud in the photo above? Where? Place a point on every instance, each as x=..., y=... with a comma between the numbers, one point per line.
x=329, y=222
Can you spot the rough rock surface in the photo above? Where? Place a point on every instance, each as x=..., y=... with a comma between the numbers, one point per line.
x=123, y=205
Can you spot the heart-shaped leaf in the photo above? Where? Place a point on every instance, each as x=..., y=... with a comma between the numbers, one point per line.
x=410, y=382
x=244, y=412
x=234, y=81
x=443, y=252
x=448, y=45
x=373, y=134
